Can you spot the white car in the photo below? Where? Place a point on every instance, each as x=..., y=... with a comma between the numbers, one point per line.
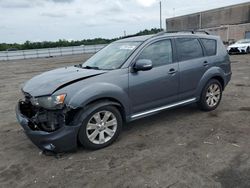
x=241, y=46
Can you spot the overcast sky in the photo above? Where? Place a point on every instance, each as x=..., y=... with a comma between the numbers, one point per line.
x=39, y=20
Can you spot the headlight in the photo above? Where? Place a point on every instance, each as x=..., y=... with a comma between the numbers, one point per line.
x=49, y=102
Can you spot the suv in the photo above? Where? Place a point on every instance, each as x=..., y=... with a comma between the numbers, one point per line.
x=127, y=80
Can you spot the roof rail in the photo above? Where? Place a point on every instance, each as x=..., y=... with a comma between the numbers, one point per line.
x=202, y=31
x=182, y=31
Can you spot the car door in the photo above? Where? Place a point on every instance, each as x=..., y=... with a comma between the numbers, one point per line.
x=158, y=86
x=192, y=65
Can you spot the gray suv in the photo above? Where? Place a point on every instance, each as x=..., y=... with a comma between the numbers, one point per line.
x=127, y=80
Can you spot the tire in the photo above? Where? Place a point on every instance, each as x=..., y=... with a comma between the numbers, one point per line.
x=248, y=50
x=211, y=95
x=97, y=132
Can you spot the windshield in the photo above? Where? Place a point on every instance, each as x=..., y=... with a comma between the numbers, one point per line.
x=112, y=56
x=243, y=41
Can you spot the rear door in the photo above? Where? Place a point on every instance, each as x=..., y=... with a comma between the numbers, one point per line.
x=192, y=65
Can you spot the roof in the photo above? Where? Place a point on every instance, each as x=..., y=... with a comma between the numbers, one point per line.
x=166, y=34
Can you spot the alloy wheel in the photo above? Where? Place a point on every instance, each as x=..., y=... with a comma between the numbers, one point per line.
x=101, y=127
x=213, y=95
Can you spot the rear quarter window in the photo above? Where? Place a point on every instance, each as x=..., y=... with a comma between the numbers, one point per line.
x=188, y=48
x=210, y=46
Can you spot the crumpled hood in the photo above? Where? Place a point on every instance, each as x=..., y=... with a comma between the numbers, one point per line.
x=236, y=45
x=48, y=82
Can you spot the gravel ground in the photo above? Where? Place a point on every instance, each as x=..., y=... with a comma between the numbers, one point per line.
x=176, y=148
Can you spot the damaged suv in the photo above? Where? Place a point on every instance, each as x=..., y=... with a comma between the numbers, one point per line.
x=129, y=79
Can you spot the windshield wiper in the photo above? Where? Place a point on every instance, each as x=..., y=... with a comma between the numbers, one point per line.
x=90, y=67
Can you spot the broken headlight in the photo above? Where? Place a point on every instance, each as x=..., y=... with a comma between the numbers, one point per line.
x=49, y=102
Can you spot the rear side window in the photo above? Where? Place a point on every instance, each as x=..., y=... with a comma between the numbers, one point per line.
x=210, y=46
x=160, y=53
x=188, y=48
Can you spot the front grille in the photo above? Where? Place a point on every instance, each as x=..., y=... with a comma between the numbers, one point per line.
x=234, y=50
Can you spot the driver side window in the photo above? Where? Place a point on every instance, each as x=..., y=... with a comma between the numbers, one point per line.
x=160, y=53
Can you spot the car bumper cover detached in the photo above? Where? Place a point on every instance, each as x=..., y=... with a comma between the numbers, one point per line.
x=61, y=140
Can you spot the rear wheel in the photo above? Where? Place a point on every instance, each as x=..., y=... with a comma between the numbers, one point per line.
x=101, y=127
x=211, y=95
x=248, y=50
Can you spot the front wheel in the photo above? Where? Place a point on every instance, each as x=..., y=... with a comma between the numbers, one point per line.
x=101, y=127
x=210, y=96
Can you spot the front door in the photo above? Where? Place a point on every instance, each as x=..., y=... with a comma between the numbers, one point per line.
x=156, y=87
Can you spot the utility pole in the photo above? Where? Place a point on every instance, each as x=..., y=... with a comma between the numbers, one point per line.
x=160, y=17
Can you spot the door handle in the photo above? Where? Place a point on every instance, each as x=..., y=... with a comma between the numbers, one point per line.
x=172, y=71
x=205, y=63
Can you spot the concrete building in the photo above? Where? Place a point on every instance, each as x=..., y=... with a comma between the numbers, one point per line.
x=231, y=23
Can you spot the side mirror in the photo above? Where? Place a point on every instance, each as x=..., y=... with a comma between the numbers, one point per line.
x=143, y=65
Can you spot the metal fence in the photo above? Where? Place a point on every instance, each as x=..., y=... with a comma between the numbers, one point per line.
x=49, y=52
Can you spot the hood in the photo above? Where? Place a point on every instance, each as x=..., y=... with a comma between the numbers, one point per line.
x=239, y=45
x=48, y=82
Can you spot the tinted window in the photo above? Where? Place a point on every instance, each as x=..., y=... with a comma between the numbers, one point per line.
x=160, y=53
x=210, y=46
x=188, y=48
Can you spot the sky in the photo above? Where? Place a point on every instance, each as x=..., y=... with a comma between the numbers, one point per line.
x=50, y=20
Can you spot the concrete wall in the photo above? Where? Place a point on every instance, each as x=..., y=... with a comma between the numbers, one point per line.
x=230, y=33
x=226, y=16
x=183, y=23
x=229, y=22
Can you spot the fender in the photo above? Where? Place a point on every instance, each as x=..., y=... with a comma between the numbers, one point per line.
x=210, y=73
x=100, y=91
x=85, y=112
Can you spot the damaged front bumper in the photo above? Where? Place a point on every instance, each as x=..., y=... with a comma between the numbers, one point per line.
x=61, y=138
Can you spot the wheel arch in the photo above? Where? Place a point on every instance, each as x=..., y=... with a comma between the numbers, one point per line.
x=108, y=101
x=213, y=73
x=220, y=79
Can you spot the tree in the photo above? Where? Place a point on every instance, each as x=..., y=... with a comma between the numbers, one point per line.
x=65, y=43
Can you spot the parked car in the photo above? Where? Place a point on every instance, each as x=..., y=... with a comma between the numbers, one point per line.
x=241, y=46
x=129, y=79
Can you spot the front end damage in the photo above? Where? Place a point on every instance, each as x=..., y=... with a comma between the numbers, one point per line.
x=50, y=130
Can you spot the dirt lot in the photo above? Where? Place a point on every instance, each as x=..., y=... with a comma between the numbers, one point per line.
x=177, y=148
